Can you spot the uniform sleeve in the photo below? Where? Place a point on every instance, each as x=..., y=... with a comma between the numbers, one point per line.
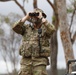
x=18, y=27
x=50, y=28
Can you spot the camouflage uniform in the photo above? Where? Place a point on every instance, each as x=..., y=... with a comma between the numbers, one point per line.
x=33, y=60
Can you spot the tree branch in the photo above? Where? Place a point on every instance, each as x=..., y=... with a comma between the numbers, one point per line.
x=74, y=36
x=21, y=7
x=5, y=0
x=73, y=14
x=35, y=3
x=51, y=4
x=72, y=17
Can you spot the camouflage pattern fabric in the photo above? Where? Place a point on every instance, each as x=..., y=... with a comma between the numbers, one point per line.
x=33, y=66
x=33, y=60
x=30, y=45
x=17, y=28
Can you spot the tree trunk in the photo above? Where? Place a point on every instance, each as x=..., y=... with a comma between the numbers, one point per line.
x=54, y=51
x=54, y=43
x=64, y=31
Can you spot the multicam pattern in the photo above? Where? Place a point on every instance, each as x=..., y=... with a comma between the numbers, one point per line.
x=30, y=41
x=34, y=60
x=34, y=66
x=30, y=45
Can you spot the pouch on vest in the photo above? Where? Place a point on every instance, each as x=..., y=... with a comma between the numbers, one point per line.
x=45, y=52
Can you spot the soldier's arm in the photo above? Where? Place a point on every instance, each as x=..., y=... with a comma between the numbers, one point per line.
x=50, y=28
x=18, y=26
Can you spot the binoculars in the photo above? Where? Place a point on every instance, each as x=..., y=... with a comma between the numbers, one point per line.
x=33, y=14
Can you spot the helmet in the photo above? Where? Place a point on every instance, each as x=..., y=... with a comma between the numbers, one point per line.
x=39, y=10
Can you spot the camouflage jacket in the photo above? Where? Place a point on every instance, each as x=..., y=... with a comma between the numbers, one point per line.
x=30, y=41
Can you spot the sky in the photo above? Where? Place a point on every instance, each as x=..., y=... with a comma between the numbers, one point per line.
x=7, y=7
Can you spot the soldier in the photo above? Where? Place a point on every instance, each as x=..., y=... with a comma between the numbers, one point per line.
x=35, y=48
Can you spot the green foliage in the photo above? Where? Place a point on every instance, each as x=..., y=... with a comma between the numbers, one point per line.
x=26, y=1
x=72, y=1
x=53, y=18
x=6, y=20
x=69, y=10
x=1, y=32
